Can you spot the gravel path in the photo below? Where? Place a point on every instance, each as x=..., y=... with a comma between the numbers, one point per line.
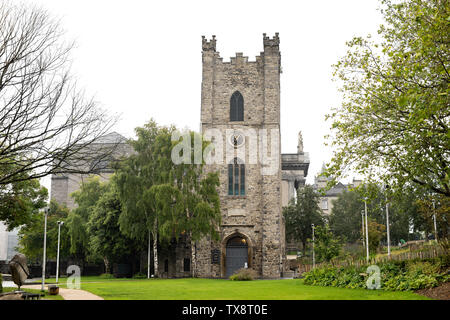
x=70, y=294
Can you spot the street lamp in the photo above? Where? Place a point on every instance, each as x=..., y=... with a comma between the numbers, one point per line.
x=363, y=232
x=46, y=210
x=367, y=231
x=60, y=223
x=387, y=222
x=314, y=258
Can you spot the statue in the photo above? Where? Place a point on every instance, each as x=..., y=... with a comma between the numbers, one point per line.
x=19, y=269
x=300, y=143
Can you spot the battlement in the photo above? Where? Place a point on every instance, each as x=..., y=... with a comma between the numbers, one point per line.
x=274, y=42
x=271, y=46
x=209, y=45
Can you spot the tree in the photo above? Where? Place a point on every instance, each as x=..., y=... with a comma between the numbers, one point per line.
x=86, y=199
x=327, y=246
x=345, y=217
x=21, y=200
x=31, y=235
x=436, y=207
x=165, y=199
x=394, y=119
x=105, y=238
x=47, y=125
x=136, y=176
x=301, y=214
x=376, y=233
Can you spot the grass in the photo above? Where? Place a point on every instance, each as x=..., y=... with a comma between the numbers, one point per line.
x=218, y=289
x=47, y=296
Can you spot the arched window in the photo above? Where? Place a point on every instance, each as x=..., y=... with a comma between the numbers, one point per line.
x=236, y=178
x=237, y=107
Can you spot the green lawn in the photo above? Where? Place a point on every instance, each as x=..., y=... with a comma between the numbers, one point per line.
x=217, y=289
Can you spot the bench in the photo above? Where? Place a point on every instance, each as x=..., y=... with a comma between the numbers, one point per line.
x=31, y=296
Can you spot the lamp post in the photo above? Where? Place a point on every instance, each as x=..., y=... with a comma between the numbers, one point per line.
x=314, y=257
x=434, y=220
x=387, y=223
x=60, y=223
x=363, y=232
x=367, y=231
x=45, y=247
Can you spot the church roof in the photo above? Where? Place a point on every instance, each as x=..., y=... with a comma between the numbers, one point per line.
x=112, y=137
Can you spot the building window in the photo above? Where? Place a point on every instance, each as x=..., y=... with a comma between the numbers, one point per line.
x=187, y=264
x=237, y=107
x=236, y=178
x=324, y=204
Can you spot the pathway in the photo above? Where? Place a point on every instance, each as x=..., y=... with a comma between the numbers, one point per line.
x=69, y=294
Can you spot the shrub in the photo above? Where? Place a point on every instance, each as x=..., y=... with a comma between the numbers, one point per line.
x=395, y=275
x=106, y=276
x=244, y=274
x=139, y=275
x=1, y=287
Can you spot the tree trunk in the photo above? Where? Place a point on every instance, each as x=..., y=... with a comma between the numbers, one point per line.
x=107, y=266
x=155, y=250
x=193, y=257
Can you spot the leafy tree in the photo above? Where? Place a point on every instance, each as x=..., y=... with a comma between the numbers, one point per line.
x=19, y=201
x=105, y=238
x=31, y=235
x=376, y=233
x=345, y=217
x=301, y=214
x=395, y=116
x=86, y=199
x=162, y=198
x=326, y=246
x=437, y=207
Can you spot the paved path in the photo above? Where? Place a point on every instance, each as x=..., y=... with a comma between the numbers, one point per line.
x=69, y=294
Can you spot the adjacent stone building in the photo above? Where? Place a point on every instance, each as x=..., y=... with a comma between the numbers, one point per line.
x=109, y=147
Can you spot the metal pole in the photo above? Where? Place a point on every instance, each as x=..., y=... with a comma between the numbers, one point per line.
x=148, y=257
x=45, y=248
x=314, y=257
x=363, y=232
x=60, y=223
x=434, y=218
x=387, y=229
x=387, y=221
x=367, y=232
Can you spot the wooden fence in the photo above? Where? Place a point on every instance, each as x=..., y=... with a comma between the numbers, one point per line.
x=424, y=253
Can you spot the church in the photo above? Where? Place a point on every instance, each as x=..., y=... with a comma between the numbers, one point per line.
x=240, y=102
x=238, y=97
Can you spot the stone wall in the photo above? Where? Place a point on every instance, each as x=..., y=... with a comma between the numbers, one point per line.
x=256, y=216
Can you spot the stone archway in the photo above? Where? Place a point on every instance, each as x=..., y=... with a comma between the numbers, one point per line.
x=236, y=252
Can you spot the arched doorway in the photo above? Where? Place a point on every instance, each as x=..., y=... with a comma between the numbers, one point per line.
x=236, y=254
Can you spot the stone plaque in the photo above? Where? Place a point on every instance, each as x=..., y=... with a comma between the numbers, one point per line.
x=215, y=256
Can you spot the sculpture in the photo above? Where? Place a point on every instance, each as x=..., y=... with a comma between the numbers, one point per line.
x=19, y=269
x=300, y=143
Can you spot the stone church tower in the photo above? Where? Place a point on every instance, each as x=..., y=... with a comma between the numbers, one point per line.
x=240, y=99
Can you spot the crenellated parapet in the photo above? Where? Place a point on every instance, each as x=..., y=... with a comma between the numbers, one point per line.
x=209, y=45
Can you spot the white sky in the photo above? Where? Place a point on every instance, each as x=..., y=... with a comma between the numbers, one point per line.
x=142, y=59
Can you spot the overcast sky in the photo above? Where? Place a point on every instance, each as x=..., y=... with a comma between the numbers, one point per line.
x=142, y=59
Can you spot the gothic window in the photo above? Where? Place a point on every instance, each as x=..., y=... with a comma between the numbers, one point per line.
x=237, y=107
x=236, y=178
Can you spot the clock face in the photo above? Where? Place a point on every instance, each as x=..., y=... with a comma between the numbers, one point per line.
x=237, y=139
